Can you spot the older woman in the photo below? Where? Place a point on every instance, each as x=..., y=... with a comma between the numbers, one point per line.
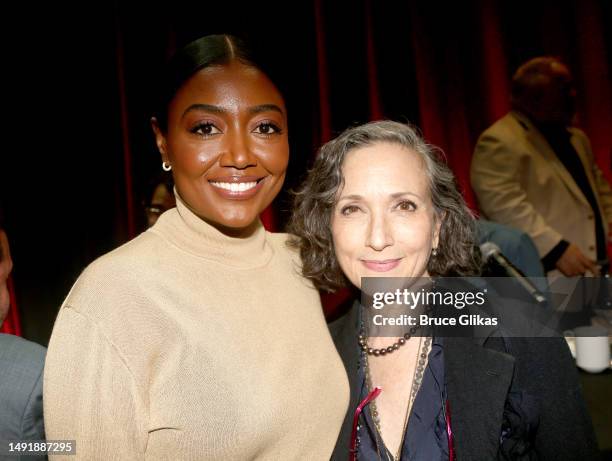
x=199, y=340
x=379, y=202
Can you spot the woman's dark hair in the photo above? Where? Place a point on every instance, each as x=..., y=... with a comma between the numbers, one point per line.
x=201, y=53
x=314, y=202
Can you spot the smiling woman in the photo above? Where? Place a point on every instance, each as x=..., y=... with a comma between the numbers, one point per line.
x=380, y=202
x=228, y=155
x=384, y=220
x=199, y=339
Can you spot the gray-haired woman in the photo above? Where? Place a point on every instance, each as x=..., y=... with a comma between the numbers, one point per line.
x=380, y=202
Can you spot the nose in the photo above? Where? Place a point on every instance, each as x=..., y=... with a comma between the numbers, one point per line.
x=380, y=232
x=237, y=152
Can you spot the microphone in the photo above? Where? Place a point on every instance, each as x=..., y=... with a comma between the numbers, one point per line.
x=490, y=251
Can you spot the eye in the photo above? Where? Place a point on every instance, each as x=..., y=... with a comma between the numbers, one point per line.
x=406, y=205
x=267, y=128
x=205, y=129
x=349, y=209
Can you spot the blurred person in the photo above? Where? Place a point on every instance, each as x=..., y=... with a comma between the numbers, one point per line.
x=199, y=339
x=532, y=170
x=21, y=373
x=161, y=200
x=380, y=202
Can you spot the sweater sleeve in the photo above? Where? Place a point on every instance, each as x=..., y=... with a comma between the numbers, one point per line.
x=90, y=395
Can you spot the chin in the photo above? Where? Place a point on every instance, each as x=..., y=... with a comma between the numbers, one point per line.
x=235, y=226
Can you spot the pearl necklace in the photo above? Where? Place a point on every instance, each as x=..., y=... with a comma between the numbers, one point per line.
x=417, y=378
x=363, y=343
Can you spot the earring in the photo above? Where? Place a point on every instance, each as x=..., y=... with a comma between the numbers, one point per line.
x=434, y=252
x=166, y=166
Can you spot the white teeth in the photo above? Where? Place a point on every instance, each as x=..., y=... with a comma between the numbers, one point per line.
x=235, y=186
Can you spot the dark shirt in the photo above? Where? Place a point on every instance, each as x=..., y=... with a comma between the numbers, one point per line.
x=425, y=438
x=559, y=137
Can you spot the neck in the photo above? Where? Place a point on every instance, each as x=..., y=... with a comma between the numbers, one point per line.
x=234, y=232
x=542, y=120
x=240, y=248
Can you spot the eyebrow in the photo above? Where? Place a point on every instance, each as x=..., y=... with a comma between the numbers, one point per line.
x=204, y=108
x=394, y=196
x=220, y=110
x=266, y=108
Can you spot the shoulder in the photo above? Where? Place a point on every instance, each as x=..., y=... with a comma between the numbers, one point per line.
x=346, y=326
x=112, y=278
x=279, y=241
x=504, y=139
x=508, y=125
x=287, y=258
x=22, y=363
x=130, y=255
x=19, y=350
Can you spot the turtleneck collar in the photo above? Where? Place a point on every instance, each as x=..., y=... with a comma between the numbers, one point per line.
x=187, y=231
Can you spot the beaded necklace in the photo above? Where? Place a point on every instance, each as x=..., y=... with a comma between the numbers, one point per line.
x=417, y=378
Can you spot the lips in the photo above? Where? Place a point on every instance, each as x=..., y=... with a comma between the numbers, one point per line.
x=237, y=187
x=381, y=265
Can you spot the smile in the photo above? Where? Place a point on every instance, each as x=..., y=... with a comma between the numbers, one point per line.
x=237, y=187
x=381, y=266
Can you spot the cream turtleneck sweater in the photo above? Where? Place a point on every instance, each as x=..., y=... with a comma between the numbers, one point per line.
x=186, y=344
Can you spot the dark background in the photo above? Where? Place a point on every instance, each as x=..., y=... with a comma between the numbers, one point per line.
x=78, y=153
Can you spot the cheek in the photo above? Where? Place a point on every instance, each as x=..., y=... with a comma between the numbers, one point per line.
x=274, y=158
x=347, y=241
x=416, y=237
x=193, y=158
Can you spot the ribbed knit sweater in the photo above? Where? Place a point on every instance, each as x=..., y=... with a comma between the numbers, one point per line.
x=187, y=344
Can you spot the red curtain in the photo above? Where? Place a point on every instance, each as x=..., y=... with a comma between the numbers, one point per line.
x=12, y=323
x=443, y=66
x=463, y=58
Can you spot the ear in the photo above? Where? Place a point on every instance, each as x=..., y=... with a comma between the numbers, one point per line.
x=6, y=263
x=160, y=139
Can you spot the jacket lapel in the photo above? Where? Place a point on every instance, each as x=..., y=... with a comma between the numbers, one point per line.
x=582, y=152
x=345, y=333
x=540, y=145
x=477, y=382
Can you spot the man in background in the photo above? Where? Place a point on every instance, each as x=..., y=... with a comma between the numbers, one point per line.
x=533, y=171
x=21, y=374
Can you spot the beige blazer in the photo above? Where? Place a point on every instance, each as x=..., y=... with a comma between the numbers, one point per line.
x=519, y=181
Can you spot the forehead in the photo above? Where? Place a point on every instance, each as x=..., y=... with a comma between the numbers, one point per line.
x=384, y=167
x=232, y=84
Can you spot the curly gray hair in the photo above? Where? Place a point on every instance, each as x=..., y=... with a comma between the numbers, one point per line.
x=315, y=200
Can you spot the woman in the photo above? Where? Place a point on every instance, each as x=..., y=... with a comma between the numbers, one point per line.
x=199, y=339
x=379, y=202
